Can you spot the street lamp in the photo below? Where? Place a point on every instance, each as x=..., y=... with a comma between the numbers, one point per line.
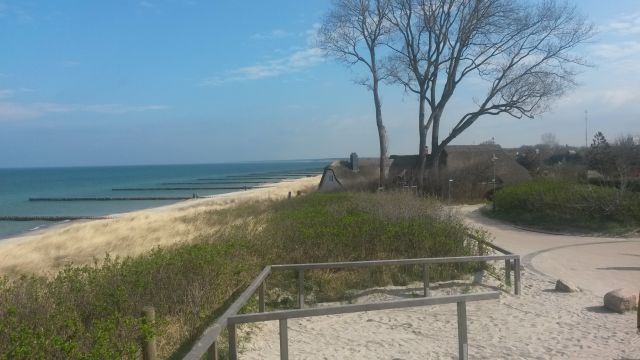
x=494, y=158
x=450, y=182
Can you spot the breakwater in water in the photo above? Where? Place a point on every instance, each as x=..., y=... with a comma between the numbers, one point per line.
x=140, y=198
x=34, y=198
x=50, y=218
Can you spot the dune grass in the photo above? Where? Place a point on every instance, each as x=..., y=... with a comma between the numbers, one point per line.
x=92, y=312
x=562, y=205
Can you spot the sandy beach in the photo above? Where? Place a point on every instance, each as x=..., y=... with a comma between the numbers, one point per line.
x=132, y=233
x=539, y=324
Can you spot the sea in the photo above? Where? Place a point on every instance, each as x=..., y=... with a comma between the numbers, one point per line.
x=20, y=187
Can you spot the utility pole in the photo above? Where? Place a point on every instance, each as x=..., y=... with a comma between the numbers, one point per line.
x=586, y=126
x=494, y=158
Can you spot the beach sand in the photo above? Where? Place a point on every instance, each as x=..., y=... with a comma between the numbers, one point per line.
x=132, y=233
x=539, y=324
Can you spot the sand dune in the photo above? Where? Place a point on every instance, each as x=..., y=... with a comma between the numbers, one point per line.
x=126, y=234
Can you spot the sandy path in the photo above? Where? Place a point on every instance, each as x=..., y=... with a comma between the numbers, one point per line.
x=539, y=324
x=126, y=234
x=597, y=264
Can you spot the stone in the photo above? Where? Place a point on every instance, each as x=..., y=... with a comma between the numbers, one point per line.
x=565, y=286
x=621, y=300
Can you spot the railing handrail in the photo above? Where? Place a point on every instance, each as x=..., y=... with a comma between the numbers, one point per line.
x=353, y=308
x=207, y=341
x=417, y=261
x=490, y=244
x=210, y=335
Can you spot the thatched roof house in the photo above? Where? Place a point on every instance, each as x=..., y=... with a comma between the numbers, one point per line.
x=479, y=159
x=471, y=165
x=352, y=175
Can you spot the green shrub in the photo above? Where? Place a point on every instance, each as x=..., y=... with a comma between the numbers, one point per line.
x=561, y=204
x=93, y=312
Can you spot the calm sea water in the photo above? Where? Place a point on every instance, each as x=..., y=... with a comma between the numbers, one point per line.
x=18, y=185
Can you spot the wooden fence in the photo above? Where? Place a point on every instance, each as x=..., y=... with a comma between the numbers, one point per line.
x=208, y=342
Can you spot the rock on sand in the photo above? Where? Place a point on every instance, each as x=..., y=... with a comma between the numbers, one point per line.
x=565, y=286
x=621, y=300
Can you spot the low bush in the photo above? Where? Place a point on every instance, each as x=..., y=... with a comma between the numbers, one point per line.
x=93, y=312
x=567, y=205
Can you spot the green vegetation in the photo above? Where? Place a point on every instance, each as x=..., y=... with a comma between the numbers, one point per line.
x=562, y=205
x=92, y=312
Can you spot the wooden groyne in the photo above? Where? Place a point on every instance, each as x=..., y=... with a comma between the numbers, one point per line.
x=219, y=182
x=187, y=188
x=260, y=177
x=115, y=198
x=50, y=218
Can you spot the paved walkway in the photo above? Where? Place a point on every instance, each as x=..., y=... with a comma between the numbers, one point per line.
x=597, y=264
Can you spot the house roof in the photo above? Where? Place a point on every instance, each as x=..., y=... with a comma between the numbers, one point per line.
x=459, y=160
x=366, y=177
x=478, y=158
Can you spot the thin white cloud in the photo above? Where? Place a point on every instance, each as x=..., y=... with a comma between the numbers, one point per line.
x=617, y=50
x=626, y=24
x=147, y=4
x=6, y=93
x=70, y=63
x=297, y=61
x=622, y=96
x=273, y=34
x=18, y=111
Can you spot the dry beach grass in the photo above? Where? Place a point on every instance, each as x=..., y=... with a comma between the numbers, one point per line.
x=126, y=234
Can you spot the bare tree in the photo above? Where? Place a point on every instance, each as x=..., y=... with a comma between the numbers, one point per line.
x=549, y=139
x=410, y=65
x=353, y=32
x=521, y=50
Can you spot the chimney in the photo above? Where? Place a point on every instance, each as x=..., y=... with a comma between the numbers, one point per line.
x=354, y=162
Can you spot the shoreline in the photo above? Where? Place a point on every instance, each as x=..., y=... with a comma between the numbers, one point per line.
x=79, y=242
x=187, y=202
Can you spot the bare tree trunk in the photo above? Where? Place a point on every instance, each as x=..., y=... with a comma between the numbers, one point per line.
x=435, y=144
x=382, y=132
x=422, y=153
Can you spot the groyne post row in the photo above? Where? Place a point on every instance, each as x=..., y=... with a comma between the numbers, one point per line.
x=138, y=198
x=51, y=218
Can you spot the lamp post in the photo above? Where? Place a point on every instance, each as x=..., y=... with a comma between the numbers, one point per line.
x=494, y=158
x=450, y=182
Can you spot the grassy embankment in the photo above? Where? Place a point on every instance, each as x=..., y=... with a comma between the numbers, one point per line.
x=568, y=206
x=92, y=312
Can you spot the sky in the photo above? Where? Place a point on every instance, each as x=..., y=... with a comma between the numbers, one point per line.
x=124, y=82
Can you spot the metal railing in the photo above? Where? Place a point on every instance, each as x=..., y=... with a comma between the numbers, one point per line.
x=283, y=316
x=208, y=342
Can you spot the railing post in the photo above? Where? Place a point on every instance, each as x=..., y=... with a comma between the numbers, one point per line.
x=425, y=279
x=261, y=292
x=507, y=272
x=463, y=344
x=212, y=353
x=300, y=289
x=149, y=343
x=233, y=349
x=516, y=275
x=284, y=340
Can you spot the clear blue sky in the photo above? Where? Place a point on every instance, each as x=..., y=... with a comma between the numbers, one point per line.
x=194, y=81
